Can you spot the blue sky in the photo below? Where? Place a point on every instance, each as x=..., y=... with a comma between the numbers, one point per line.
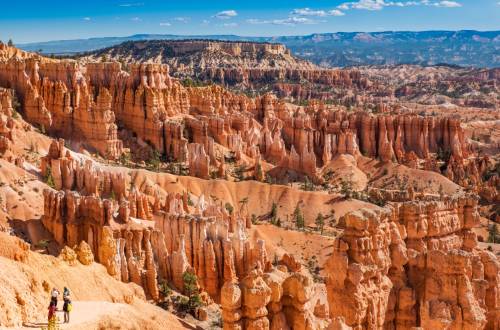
x=34, y=20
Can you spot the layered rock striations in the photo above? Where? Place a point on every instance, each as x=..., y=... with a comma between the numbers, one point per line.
x=274, y=298
x=414, y=265
x=142, y=238
x=92, y=103
x=6, y=122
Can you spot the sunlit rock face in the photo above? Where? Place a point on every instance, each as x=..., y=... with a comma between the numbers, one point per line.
x=414, y=265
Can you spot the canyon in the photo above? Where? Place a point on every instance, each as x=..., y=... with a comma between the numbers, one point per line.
x=274, y=215
x=254, y=68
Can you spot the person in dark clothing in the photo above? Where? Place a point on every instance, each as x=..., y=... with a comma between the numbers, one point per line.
x=67, y=307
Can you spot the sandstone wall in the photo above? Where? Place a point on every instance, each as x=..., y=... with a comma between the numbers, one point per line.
x=414, y=265
x=90, y=103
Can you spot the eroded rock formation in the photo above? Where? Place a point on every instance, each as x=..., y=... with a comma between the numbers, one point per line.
x=415, y=265
x=90, y=103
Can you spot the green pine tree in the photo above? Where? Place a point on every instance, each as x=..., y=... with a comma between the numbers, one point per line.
x=493, y=233
x=299, y=217
x=320, y=222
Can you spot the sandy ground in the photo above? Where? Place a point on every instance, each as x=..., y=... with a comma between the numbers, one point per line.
x=90, y=315
x=24, y=297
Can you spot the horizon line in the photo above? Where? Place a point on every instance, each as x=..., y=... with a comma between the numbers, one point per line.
x=250, y=36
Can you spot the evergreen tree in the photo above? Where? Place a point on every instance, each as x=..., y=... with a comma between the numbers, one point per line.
x=320, y=222
x=191, y=290
x=258, y=172
x=493, y=233
x=299, y=217
x=274, y=212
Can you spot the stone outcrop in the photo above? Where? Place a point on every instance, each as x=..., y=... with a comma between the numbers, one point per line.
x=6, y=121
x=140, y=237
x=414, y=265
x=274, y=298
x=69, y=255
x=84, y=253
x=90, y=103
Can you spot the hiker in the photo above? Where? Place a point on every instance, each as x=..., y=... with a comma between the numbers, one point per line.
x=52, y=313
x=67, y=307
x=53, y=297
x=66, y=292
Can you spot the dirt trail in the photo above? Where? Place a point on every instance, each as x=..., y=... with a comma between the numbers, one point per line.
x=101, y=315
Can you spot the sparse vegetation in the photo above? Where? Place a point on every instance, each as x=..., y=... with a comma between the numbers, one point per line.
x=346, y=189
x=154, y=161
x=320, y=222
x=258, y=172
x=493, y=233
x=42, y=244
x=298, y=218
x=314, y=269
x=189, y=200
x=307, y=185
x=49, y=179
x=443, y=155
x=239, y=172
x=125, y=158
x=229, y=208
x=191, y=291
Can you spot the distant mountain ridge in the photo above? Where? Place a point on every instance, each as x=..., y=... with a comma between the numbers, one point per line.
x=464, y=48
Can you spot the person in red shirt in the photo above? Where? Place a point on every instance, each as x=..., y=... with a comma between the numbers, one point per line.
x=52, y=312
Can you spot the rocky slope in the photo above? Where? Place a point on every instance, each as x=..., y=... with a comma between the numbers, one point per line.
x=251, y=67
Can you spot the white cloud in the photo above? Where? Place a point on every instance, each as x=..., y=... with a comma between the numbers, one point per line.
x=230, y=24
x=447, y=4
x=165, y=24
x=320, y=13
x=380, y=4
x=335, y=12
x=182, y=19
x=369, y=4
x=135, y=4
x=87, y=19
x=205, y=22
x=290, y=21
x=226, y=14
x=308, y=12
x=136, y=19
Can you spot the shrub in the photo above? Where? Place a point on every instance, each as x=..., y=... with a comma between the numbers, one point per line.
x=229, y=208
x=274, y=211
x=307, y=185
x=155, y=161
x=239, y=172
x=493, y=233
x=49, y=179
x=346, y=189
x=164, y=289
